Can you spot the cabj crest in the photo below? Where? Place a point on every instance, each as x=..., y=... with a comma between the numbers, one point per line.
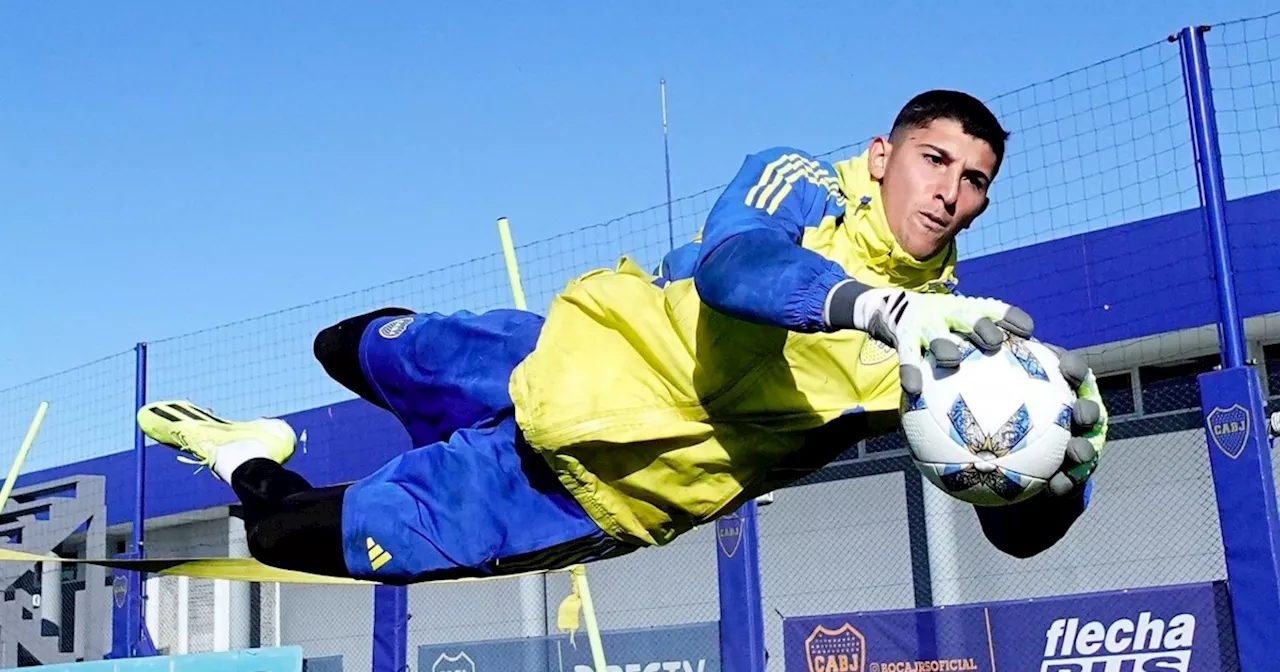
x=729, y=534
x=841, y=650
x=1229, y=429
x=874, y=352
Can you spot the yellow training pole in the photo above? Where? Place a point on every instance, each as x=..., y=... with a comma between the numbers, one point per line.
x=513, y=268
x=579, y=574
x=22, y=454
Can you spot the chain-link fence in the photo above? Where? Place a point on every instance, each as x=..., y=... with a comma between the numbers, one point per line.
x=90, y=413
x=54, y=612
x=1101, y=147
x=1104, y=150
x=674, y=589
x=1245, y=60
x=1245, y=63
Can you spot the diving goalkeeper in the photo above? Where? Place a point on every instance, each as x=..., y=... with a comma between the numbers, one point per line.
x=644, y=405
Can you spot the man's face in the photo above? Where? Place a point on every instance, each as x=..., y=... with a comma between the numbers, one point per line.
x=934, y=183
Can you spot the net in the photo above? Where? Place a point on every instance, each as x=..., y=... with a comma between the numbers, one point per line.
x=1096, y=197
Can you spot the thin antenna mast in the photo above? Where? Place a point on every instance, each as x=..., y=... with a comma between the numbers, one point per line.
x=666, y=152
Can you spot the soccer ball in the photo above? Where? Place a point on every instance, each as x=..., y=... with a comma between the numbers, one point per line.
x=993, y=431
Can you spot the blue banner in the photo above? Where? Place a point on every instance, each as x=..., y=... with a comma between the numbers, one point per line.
x=686, y=648
x=1172, y=629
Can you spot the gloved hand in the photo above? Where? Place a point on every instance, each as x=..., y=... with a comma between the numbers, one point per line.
x=914, y=323
x=1088, y=425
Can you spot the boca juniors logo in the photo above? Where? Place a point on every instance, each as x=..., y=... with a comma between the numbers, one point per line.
x=841, y=650
x=874, y=352
x=395, y=327
x=729, y=534
x=120, y=588
x=1229, y=429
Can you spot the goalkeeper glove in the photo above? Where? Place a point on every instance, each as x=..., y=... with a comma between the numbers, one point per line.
x=914, y=323
x=1088, y=425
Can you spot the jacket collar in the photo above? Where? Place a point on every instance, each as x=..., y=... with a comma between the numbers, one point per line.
x=868, y=229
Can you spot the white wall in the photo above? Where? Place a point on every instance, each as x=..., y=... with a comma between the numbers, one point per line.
x=650, y=587
x=329, y=621
x=672, y=585
x=1153, y=521
x=192, y=631
x=831, y=547
x=194, y=615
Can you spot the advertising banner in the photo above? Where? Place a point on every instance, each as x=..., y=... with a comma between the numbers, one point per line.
x=685, y=648
x=1170, y=629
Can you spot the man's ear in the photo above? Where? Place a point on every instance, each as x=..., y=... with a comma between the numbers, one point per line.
x=878, y=157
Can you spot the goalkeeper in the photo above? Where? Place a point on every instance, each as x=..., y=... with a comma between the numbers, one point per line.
x=645, y=405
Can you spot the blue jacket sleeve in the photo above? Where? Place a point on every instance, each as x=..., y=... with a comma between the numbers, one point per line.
x=750, y=264
x=678, y=263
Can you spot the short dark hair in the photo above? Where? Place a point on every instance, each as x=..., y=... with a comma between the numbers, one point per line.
x=957, y=106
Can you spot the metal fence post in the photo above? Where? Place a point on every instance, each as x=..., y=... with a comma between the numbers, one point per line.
x=128, y=625
x=1213, y=192
x=1231, y=400
x=140, y=455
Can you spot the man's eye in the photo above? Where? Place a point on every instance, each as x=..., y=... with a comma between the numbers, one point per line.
x=934, y=158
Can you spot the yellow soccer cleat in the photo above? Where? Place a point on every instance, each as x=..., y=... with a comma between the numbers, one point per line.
x=199, y=433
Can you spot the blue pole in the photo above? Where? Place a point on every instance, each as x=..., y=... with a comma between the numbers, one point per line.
x=1195, y=68
x=136, y=604
x=128, y=639
x=390, y=628
x=139, y=451
x=1231, y=403
x=741, y=605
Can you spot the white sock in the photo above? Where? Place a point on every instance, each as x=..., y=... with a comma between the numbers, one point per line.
x=234, y=454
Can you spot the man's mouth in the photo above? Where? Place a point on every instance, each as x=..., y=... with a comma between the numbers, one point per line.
x=933, y=222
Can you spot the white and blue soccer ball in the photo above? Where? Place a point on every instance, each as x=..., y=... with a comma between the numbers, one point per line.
x=995, y=430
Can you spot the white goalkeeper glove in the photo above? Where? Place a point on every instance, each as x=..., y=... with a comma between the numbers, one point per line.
x=914, y=323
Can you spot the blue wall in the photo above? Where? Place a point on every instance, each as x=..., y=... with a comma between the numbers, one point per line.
x=1138, y=279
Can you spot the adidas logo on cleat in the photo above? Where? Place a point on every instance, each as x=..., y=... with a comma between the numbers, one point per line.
x=177, y=412
x=1147, y=645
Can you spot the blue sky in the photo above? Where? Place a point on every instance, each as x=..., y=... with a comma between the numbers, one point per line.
x=169, y=167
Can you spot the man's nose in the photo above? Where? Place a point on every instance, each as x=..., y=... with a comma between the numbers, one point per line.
x=948, y=190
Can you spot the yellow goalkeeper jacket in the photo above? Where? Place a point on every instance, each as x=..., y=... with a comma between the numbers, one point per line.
x=664, y=401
